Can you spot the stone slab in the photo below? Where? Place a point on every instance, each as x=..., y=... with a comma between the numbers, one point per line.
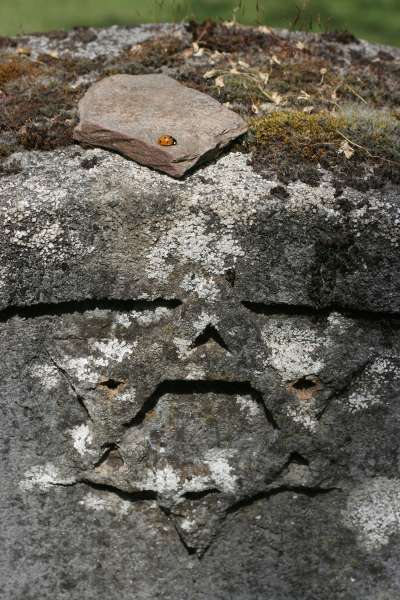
x=130, y=113
x=200, y=378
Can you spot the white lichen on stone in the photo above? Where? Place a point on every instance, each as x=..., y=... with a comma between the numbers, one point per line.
x=371, y=388
x=128, y=395
x=123, y=320
x=43, y=477
x=193, y=239
x=195, y=372
x=47, y=374
x=150, y=317
x=82, y=438
x=142, y=317
x=294, y=351
x=100, y=354
x=203, y=320
x=114, y=350
x=204, y=287
x=164, y=480
x=217, y=460
x=84, y=368
x=322, y=198
x=183, y=347
x=303, y=413
x=249, y=406
x=106, y=502
x=373, y=512
x=188, y=525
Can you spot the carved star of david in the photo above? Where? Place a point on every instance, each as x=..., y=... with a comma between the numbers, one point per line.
x=194, y=406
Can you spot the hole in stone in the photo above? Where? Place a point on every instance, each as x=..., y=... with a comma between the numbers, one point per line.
x=304, y=383
x=111, y=384
x=305, y=388
x=112, y=387
x=200, y=495
x=297, y=459
x=209, y=333
x=111, y=457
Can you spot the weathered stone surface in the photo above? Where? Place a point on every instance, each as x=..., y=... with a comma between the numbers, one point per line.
x=130, y=113
x=200, y=378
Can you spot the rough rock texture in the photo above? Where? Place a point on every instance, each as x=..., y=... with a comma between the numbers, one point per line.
x=130, y=113
x=200, y=378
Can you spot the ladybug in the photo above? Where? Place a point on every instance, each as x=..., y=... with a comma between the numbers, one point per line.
x=167, y=140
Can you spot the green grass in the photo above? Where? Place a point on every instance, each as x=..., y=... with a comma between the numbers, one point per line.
x=376, y=20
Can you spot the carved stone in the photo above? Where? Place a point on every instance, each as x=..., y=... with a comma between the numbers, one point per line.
x=199, y=380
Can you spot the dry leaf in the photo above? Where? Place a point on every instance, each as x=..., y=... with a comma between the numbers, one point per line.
x=276, y=98
x=275, y=59
x=346, y=149
x=234, y=71
x=243, y=64
x=219, y=82
x=25, y=51
x=197, y=51
x=264, y=29
x=209, y=74
x=264, y=77
x=300, y=45
x=255, y=109
x=303, y=95
x=308, y=109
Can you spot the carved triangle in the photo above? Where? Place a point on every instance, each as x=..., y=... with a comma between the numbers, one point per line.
x=210, y=334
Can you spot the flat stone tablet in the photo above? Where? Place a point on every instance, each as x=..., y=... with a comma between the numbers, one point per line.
x=156, y=121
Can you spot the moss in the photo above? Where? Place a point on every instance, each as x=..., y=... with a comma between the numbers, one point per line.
x=307, y=136
x=14, y=67
x=340, y=37
x=295, y=144
x=222, y=38
x=156, y=53
x=46, y=135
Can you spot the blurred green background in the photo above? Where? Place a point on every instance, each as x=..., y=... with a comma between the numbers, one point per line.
x=375, y=20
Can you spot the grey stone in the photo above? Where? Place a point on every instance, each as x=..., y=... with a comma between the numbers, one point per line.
x=131, y=113
x=199, y=384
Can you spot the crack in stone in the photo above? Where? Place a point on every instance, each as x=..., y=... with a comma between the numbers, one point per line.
x=150, y=495
x=267, y=309
x=354, y=375
x=81, y=306
x=127, y=305
x=310, y=491
x=70, y=383
x=199, y=386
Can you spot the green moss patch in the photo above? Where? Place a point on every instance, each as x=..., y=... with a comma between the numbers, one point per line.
x=360, y=146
